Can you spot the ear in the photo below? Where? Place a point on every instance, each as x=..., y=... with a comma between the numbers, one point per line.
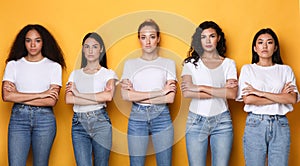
x=101, y=50
x=219, y=38
x=158, y=40
x=275, y=49
x=254, y=48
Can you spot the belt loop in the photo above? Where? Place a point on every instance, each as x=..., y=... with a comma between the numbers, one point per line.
x=261, y=117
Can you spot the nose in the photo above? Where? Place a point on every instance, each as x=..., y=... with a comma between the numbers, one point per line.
x=148, y=40
x=91, y=50
x=207, y=40
x=32, y=44
x=265, y=45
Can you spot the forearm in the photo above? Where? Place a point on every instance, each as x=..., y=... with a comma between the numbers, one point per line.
x=96, y=97
x=41, y=102
x=228, y=93
x=136, y=96
x=283, y=98
x=255, y=100
x=169, y=98
x=18, y=97
x=71, y=99
x=198, y=95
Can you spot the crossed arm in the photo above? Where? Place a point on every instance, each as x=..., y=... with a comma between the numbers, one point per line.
x=256, y=97
x=166, y=95
x=191, y=90
x=73, y=96
x=46, y=98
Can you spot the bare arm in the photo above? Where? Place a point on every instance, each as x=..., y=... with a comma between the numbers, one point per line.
x=46, y=98
x=256, y=97
x=74, y=97
x=191, y=90
x=129, y=94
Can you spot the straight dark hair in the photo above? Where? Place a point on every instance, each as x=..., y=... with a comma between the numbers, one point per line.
x=276, y=58
x=102, y=57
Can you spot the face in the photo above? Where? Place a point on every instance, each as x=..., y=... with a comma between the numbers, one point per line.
x=265, y=46
x=209, y=40
x=149, y=39
x=33, y=43
x=91, y=49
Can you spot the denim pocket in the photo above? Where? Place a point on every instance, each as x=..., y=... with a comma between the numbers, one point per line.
x=253, y=122
x=283, y=122
x=103, y=117
x=75, y=120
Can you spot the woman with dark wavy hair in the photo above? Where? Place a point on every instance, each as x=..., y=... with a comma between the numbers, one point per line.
x=268, y=89
x=32, y=81
x=209, y=79
x=88, y=89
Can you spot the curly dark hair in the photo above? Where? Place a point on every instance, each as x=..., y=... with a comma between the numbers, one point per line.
x=102, y=57
x=196, y=50
x=50, y=48
x=276, y=58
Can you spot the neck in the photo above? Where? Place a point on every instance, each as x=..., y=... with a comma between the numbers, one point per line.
x=95, y=66
x=265, y=62
x=36, y=58
x=149, y=57
x=210, y=55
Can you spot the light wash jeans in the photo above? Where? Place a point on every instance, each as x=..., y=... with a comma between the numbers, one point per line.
x=154, y=121
x=92, y=133
x=216, y=129
x=30, y=125
x=266, y=136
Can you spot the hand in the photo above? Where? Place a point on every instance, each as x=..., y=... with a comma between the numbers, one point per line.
x=71, y=87
x=52, y=92
x=189, y=86
x=169, y=87
x=288, y=88
x=10, y=87
x=126, y=84
x=249, y=90
x=231, y=83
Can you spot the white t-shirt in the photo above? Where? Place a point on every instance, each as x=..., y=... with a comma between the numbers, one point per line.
x=201, y=75
x=33, y=77
x=268, y=79
x=91, y=83
x=149, y=76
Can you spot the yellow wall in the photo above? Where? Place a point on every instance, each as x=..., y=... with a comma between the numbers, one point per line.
x=117, y=21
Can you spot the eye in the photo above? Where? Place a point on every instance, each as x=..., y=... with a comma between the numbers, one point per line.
x=270, y=42
x=202, y=37
x=27, y=40
x=260, y=42
x=153, y=37
x=38, y=40
x=143, y=38
x=86, y=46
x=95, y=46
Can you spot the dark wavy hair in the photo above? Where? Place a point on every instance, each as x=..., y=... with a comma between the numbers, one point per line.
x=150, y=23
x=276, y=58
x=102, y=57
x=195, y=52
x=50, y=48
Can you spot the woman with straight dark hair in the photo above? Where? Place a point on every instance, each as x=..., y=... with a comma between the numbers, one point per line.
x=88, y=89
x=268, y=89
x=209, y=79
x=32, y=81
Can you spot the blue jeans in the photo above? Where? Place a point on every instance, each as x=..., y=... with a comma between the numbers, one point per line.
x=198, y=131
x=30, y=125
x=153, y=120
x=92, y=132
x=266, y=136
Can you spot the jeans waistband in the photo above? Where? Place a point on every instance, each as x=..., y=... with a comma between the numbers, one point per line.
x=91, y=113
x=147, y=105
x=265, y=116
x=30, y=106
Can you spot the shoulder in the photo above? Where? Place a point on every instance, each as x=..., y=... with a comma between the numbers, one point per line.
x=166, y=60
x=284, y=68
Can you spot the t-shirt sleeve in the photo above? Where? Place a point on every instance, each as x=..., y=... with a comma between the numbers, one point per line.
x=71, y=77
x=186, y=69
x=171, y=71
x=10, y=72
x=56, y=77
x=112, y=75
x=241, y=83
x=126, y=71
x=232, y=72
x=291, y=78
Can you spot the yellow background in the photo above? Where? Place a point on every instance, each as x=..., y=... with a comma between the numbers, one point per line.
x=117, y=21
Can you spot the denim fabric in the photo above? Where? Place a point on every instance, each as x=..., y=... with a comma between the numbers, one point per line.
x=30, y=125
x=200, y=129
x=92, y=133
x=154, y=121
x=266, y=136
